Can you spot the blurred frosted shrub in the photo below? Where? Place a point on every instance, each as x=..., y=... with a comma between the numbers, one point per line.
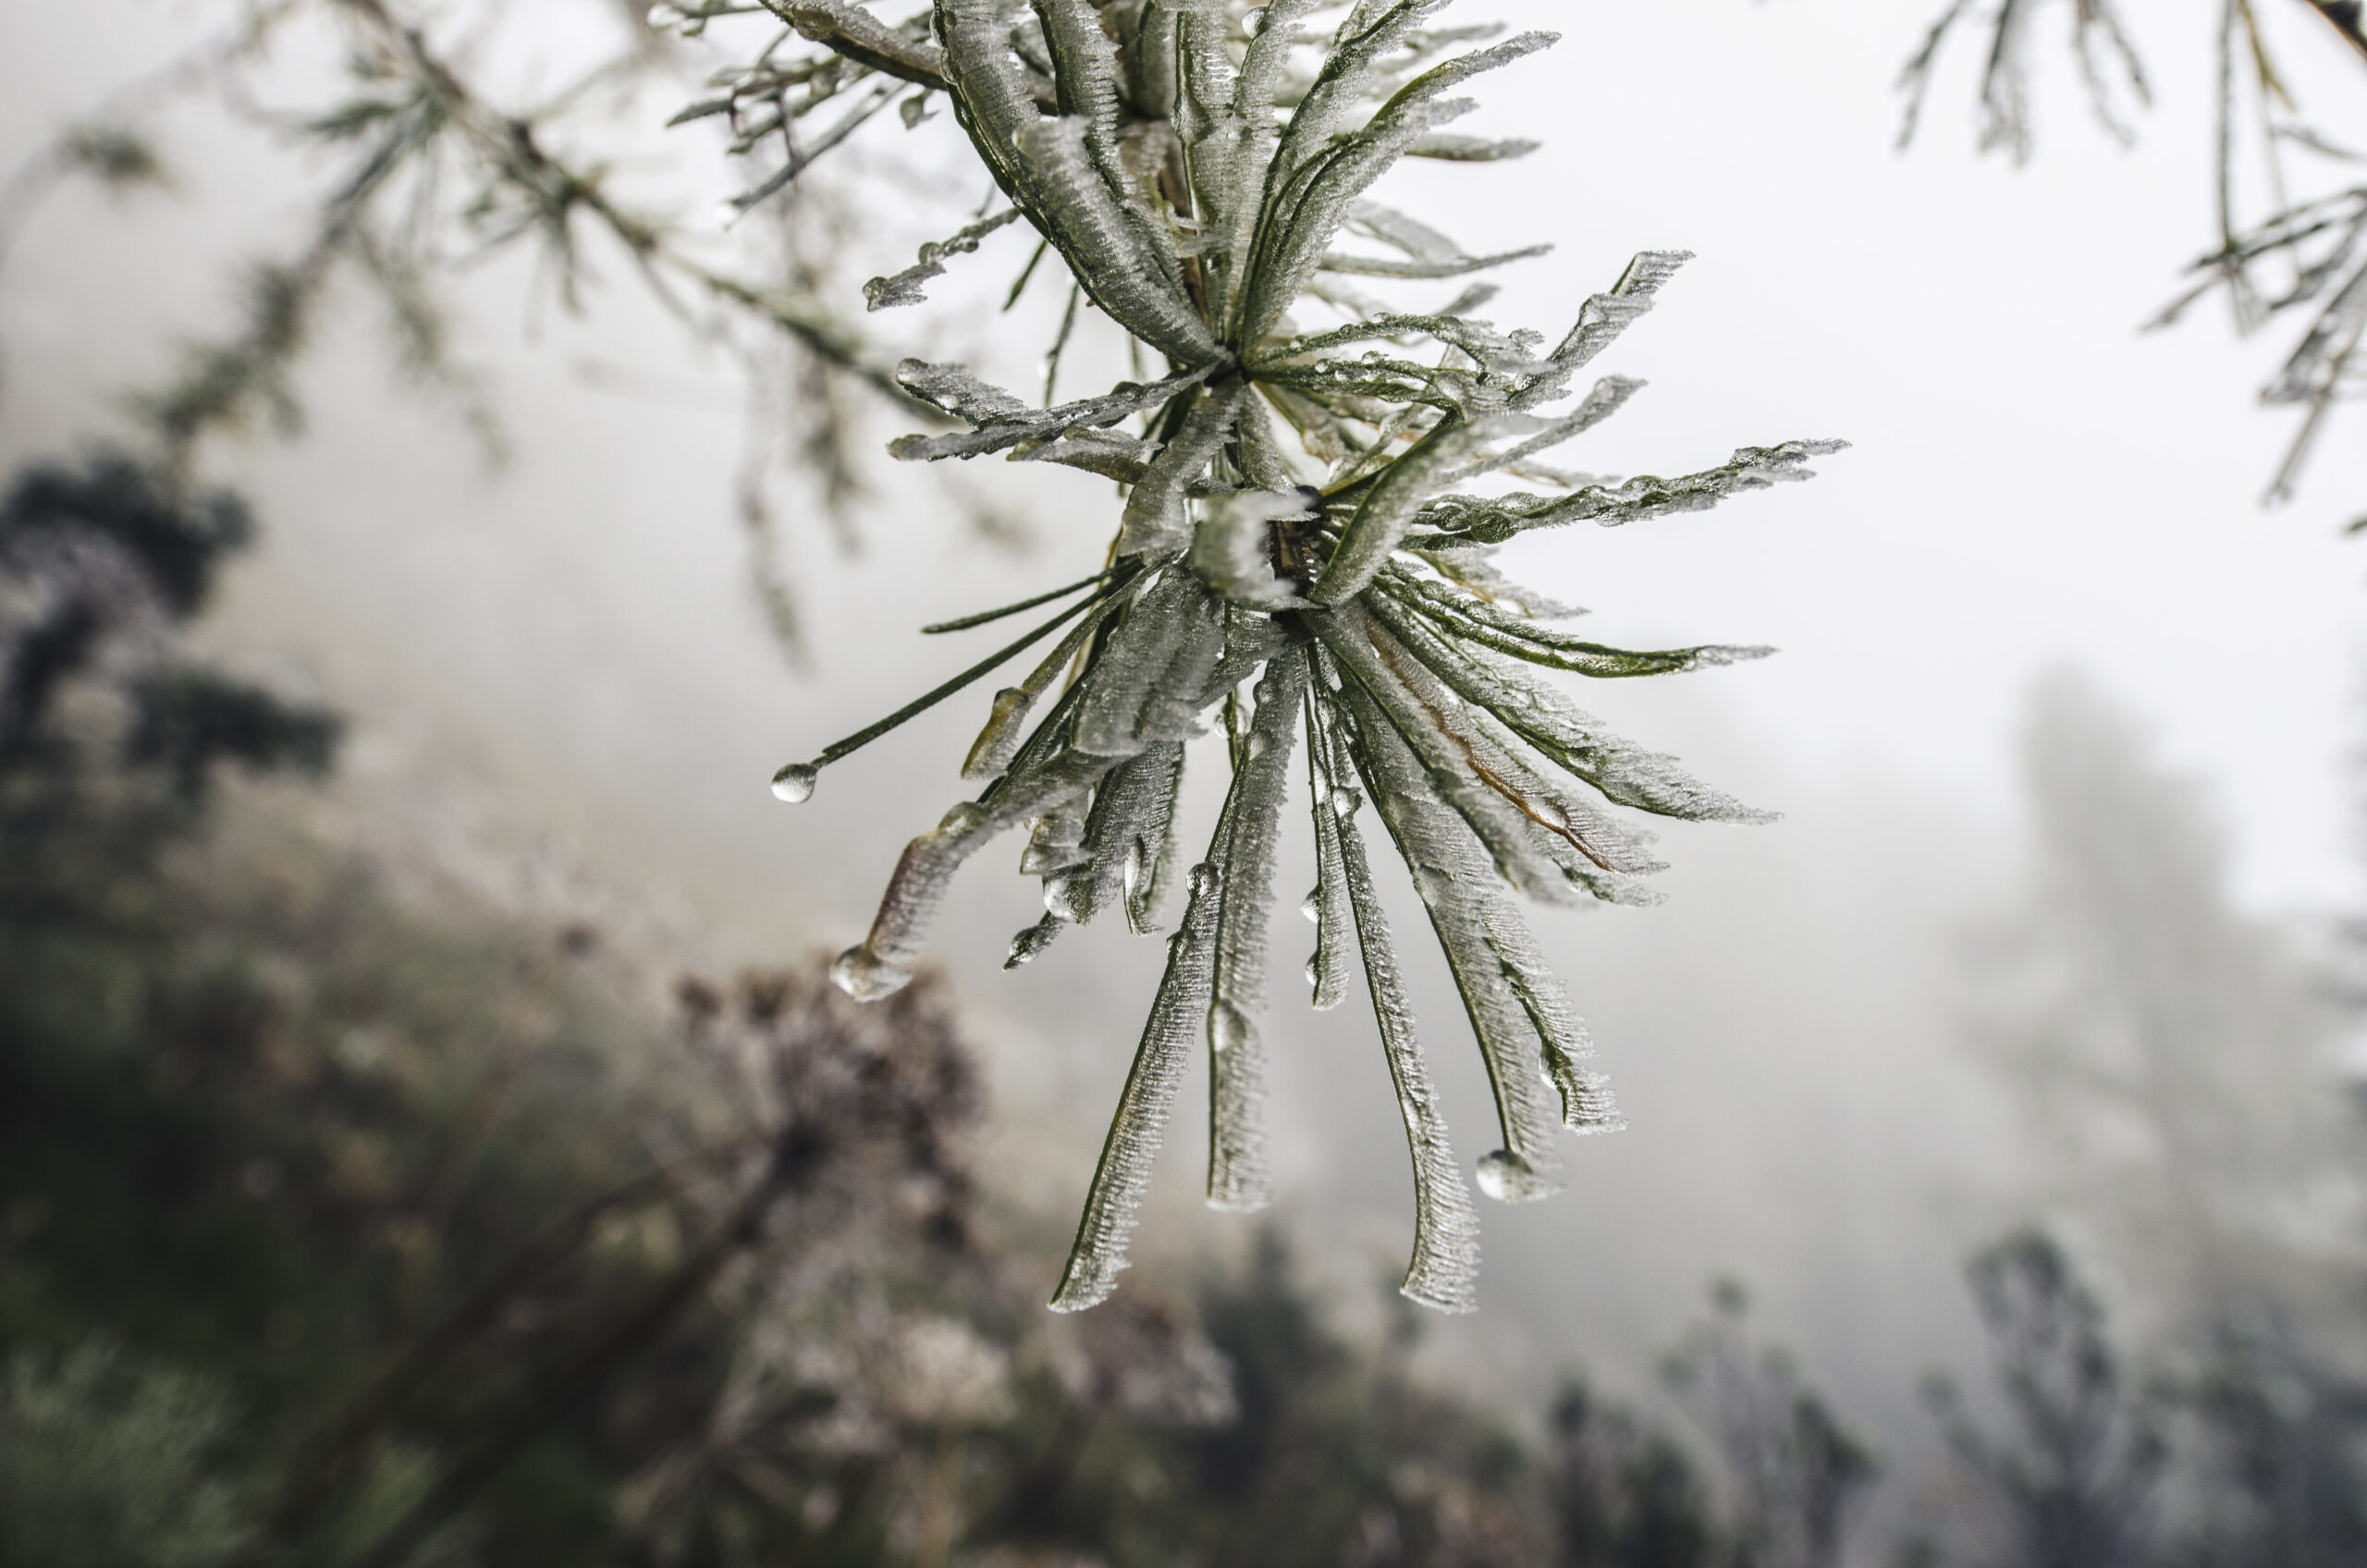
x=107, y=1460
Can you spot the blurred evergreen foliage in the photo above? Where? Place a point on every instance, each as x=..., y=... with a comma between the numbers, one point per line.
x=338, y=1229
x=2291, y=212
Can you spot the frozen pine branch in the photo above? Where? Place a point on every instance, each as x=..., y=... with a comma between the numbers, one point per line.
x=1300, y=558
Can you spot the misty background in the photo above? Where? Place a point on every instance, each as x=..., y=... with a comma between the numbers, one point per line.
x=562, y=686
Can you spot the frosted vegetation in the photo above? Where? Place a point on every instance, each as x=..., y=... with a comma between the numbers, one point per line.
x=1312, y=491
x=1314, y=478
x=345, y=1227
x=337, y=1227
x=2290, y=214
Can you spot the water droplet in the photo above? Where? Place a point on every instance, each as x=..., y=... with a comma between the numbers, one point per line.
x=1314, y=969
x=795, y=782
x=1507, y=1178
x=1346, y=802
x=1228, y=1028
x=1133, y=872
x=1203, y=881
x=865, y=978
x=1312, y=906
x=663, y=16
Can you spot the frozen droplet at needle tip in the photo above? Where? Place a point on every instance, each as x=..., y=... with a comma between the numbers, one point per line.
x=795, y=782
x=865, y=977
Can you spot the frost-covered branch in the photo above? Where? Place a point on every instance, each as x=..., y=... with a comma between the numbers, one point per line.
x=1300, y=558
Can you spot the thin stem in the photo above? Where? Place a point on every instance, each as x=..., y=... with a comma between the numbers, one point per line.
x=967, y=621
x=985, y=666
x=1061, y=342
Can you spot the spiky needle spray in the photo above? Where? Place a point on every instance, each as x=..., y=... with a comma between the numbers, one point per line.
x=1312, y=491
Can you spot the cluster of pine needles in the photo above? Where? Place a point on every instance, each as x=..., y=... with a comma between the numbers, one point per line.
x=1300, y=519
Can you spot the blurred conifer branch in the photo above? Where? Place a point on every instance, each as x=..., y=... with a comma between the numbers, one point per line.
x=106, y=142
x=435, y=173
x=2293, y=246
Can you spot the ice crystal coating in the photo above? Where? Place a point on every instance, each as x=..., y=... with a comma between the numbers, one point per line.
x=1237, y=1177
x=1445, y=1270
x=904, y=287
x=1135, y=1132
x=1314, y=489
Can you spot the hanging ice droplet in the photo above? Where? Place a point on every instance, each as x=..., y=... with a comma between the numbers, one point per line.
x=1346, y=802
x=1203, y=881
x=1507, y=1178
x=1314, y=969
x=1228, y=1028
x=665, y=16
x=1312, y=906
x=795, y=782
x=865, y=978
x=1134, y=871
x=1026, y=945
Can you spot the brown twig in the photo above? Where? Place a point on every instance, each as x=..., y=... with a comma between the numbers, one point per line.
x=2345, y=17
